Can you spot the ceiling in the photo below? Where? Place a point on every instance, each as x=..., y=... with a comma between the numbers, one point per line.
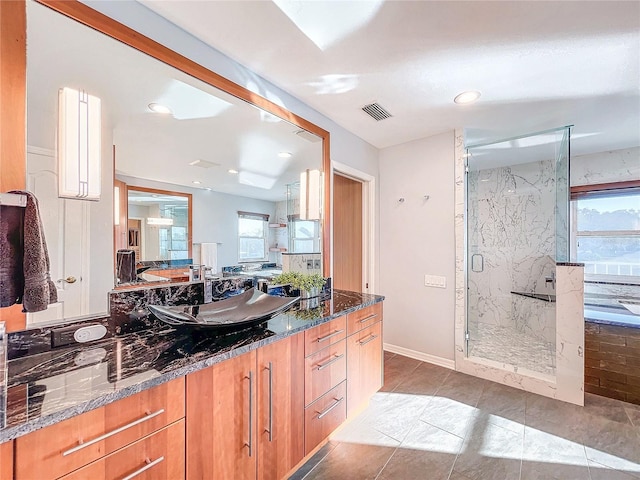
x=538, y=65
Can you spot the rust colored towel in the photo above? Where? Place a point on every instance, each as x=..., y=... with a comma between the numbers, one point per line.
x=39, y=290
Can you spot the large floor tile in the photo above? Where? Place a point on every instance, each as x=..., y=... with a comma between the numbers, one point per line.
x=608, y=408
x=351, y=461
x=424, y=380
x=396, y=369
x=553, y=410
x=462, y=388
x=633, y=412
x=601, y=472
x=490, y=452
x=503, y=405
x=450, y=415
x=553, y=471
x=614, y=445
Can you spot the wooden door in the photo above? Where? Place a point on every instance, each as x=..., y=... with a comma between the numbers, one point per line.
x=221, y=420
x=280, y=407
x=347, y=233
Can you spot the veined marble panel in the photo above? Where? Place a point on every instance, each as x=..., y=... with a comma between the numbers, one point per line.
x=297, y=262
x=605, y=167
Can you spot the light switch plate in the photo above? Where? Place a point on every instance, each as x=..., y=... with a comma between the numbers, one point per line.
x=435, y=281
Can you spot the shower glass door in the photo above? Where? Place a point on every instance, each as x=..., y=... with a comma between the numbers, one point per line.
x=516, y=230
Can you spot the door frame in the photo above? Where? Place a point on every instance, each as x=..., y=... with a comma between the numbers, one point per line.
x=368, y=221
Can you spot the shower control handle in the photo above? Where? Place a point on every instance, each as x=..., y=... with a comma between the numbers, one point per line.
x=477, y=266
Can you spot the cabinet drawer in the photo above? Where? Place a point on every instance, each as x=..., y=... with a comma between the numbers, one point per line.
x=61, y=448
x=324, y=415
x=157, y=456
x=324, y=335
x=324, y=370
x=364, y=361
x=363, y=318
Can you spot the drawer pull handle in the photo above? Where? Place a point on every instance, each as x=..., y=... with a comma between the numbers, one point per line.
x=112, y=433
x=149, y=464
x=270, y=431
x=337, y=402
x=366, y=319
x=322, y=366
x=370, y=339
x=249, y=444
x=332, y=334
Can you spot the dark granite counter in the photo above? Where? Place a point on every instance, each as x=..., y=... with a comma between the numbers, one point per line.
x=48, y=387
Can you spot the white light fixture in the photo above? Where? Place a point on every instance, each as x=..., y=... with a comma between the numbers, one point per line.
x=116, y=206
x=233, y=171
x=79, y=145
x=310, y=195
x=196, y=182
x=285, y=155
x=158, y=108
x=159, y=221
x=467, y=97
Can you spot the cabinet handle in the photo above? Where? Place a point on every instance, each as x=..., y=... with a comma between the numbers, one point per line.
x=370, y=339
x=333, y=334
x=112, y=432
x=366, y=319
x=270, y=429
x=149, y=464
x=249, y=444
x=324, y=365
x=338, y=401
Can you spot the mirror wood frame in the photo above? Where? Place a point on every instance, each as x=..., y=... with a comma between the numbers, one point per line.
x=13, y=60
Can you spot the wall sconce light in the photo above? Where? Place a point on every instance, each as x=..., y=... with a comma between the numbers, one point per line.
x=310, y=195
x=116, y=206
x=157, y=221
x=79, y=145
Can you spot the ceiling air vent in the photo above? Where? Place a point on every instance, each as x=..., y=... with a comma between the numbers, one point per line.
x=376, y=111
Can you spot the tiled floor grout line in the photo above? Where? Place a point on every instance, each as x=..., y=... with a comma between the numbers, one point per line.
x=386, y=463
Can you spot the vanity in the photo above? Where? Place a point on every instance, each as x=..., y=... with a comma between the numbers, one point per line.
x=165, y=403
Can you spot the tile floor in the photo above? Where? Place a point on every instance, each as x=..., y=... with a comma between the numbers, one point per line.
x=432, y=423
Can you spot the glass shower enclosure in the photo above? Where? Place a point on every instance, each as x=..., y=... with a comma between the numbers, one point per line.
x=517, y=204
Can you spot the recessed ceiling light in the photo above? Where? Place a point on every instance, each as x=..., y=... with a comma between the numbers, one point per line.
x=233, y=171
x=285, y=155
x=467, y=97
x=157, y=108
x=208, y=189
x=196, y=182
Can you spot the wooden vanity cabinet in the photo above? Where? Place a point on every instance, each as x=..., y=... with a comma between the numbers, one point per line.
x=364, y=356
x=245, y=415
x=55, y=451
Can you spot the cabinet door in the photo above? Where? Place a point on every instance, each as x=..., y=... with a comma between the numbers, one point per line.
x=364, y=366
x=280, y=407
x=221, y=420
x=6, y=459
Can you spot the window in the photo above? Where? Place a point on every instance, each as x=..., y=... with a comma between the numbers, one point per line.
x=304, y=235
x=606, y=228
x=252, y=237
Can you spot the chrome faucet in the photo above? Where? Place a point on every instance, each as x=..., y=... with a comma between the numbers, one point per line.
x=551, y=279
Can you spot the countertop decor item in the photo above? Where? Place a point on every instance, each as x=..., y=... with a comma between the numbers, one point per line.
x=234, y=313
x=308, y=284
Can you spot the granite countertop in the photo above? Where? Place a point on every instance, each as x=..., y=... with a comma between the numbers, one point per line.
x=49, y=387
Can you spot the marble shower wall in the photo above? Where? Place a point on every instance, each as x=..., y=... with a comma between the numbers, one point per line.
x=512, y=225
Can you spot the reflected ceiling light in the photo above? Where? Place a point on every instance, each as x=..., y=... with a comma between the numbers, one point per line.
x=196, y=182
x=79, y=145
x=285, y=155
x=158, y=108
x=467, y=97
x=310, y=195
x=189, y=102
x=208, y=189
x=159, y=221
x=233, y=171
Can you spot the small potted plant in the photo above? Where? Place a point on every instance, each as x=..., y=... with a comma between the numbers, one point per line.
x=308, y=284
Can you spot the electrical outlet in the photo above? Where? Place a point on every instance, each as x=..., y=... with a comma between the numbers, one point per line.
x=316, y=264
x=309, y=264
x=435, y=281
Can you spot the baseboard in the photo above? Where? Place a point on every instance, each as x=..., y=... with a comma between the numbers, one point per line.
x=423, y=357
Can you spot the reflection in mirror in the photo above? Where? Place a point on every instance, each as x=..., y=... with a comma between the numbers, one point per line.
x=229, y=155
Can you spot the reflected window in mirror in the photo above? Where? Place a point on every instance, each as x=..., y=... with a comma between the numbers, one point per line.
x=304, y=235
x=252, y=237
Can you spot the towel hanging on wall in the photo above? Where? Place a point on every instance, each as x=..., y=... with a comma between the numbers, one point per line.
x=24, y=269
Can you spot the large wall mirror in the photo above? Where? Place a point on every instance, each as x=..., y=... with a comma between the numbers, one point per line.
x=171, y=130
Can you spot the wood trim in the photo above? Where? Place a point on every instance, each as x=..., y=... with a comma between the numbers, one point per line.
x=13, y=77
x=602, y=188
x=174, y=193
x=100, y=22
